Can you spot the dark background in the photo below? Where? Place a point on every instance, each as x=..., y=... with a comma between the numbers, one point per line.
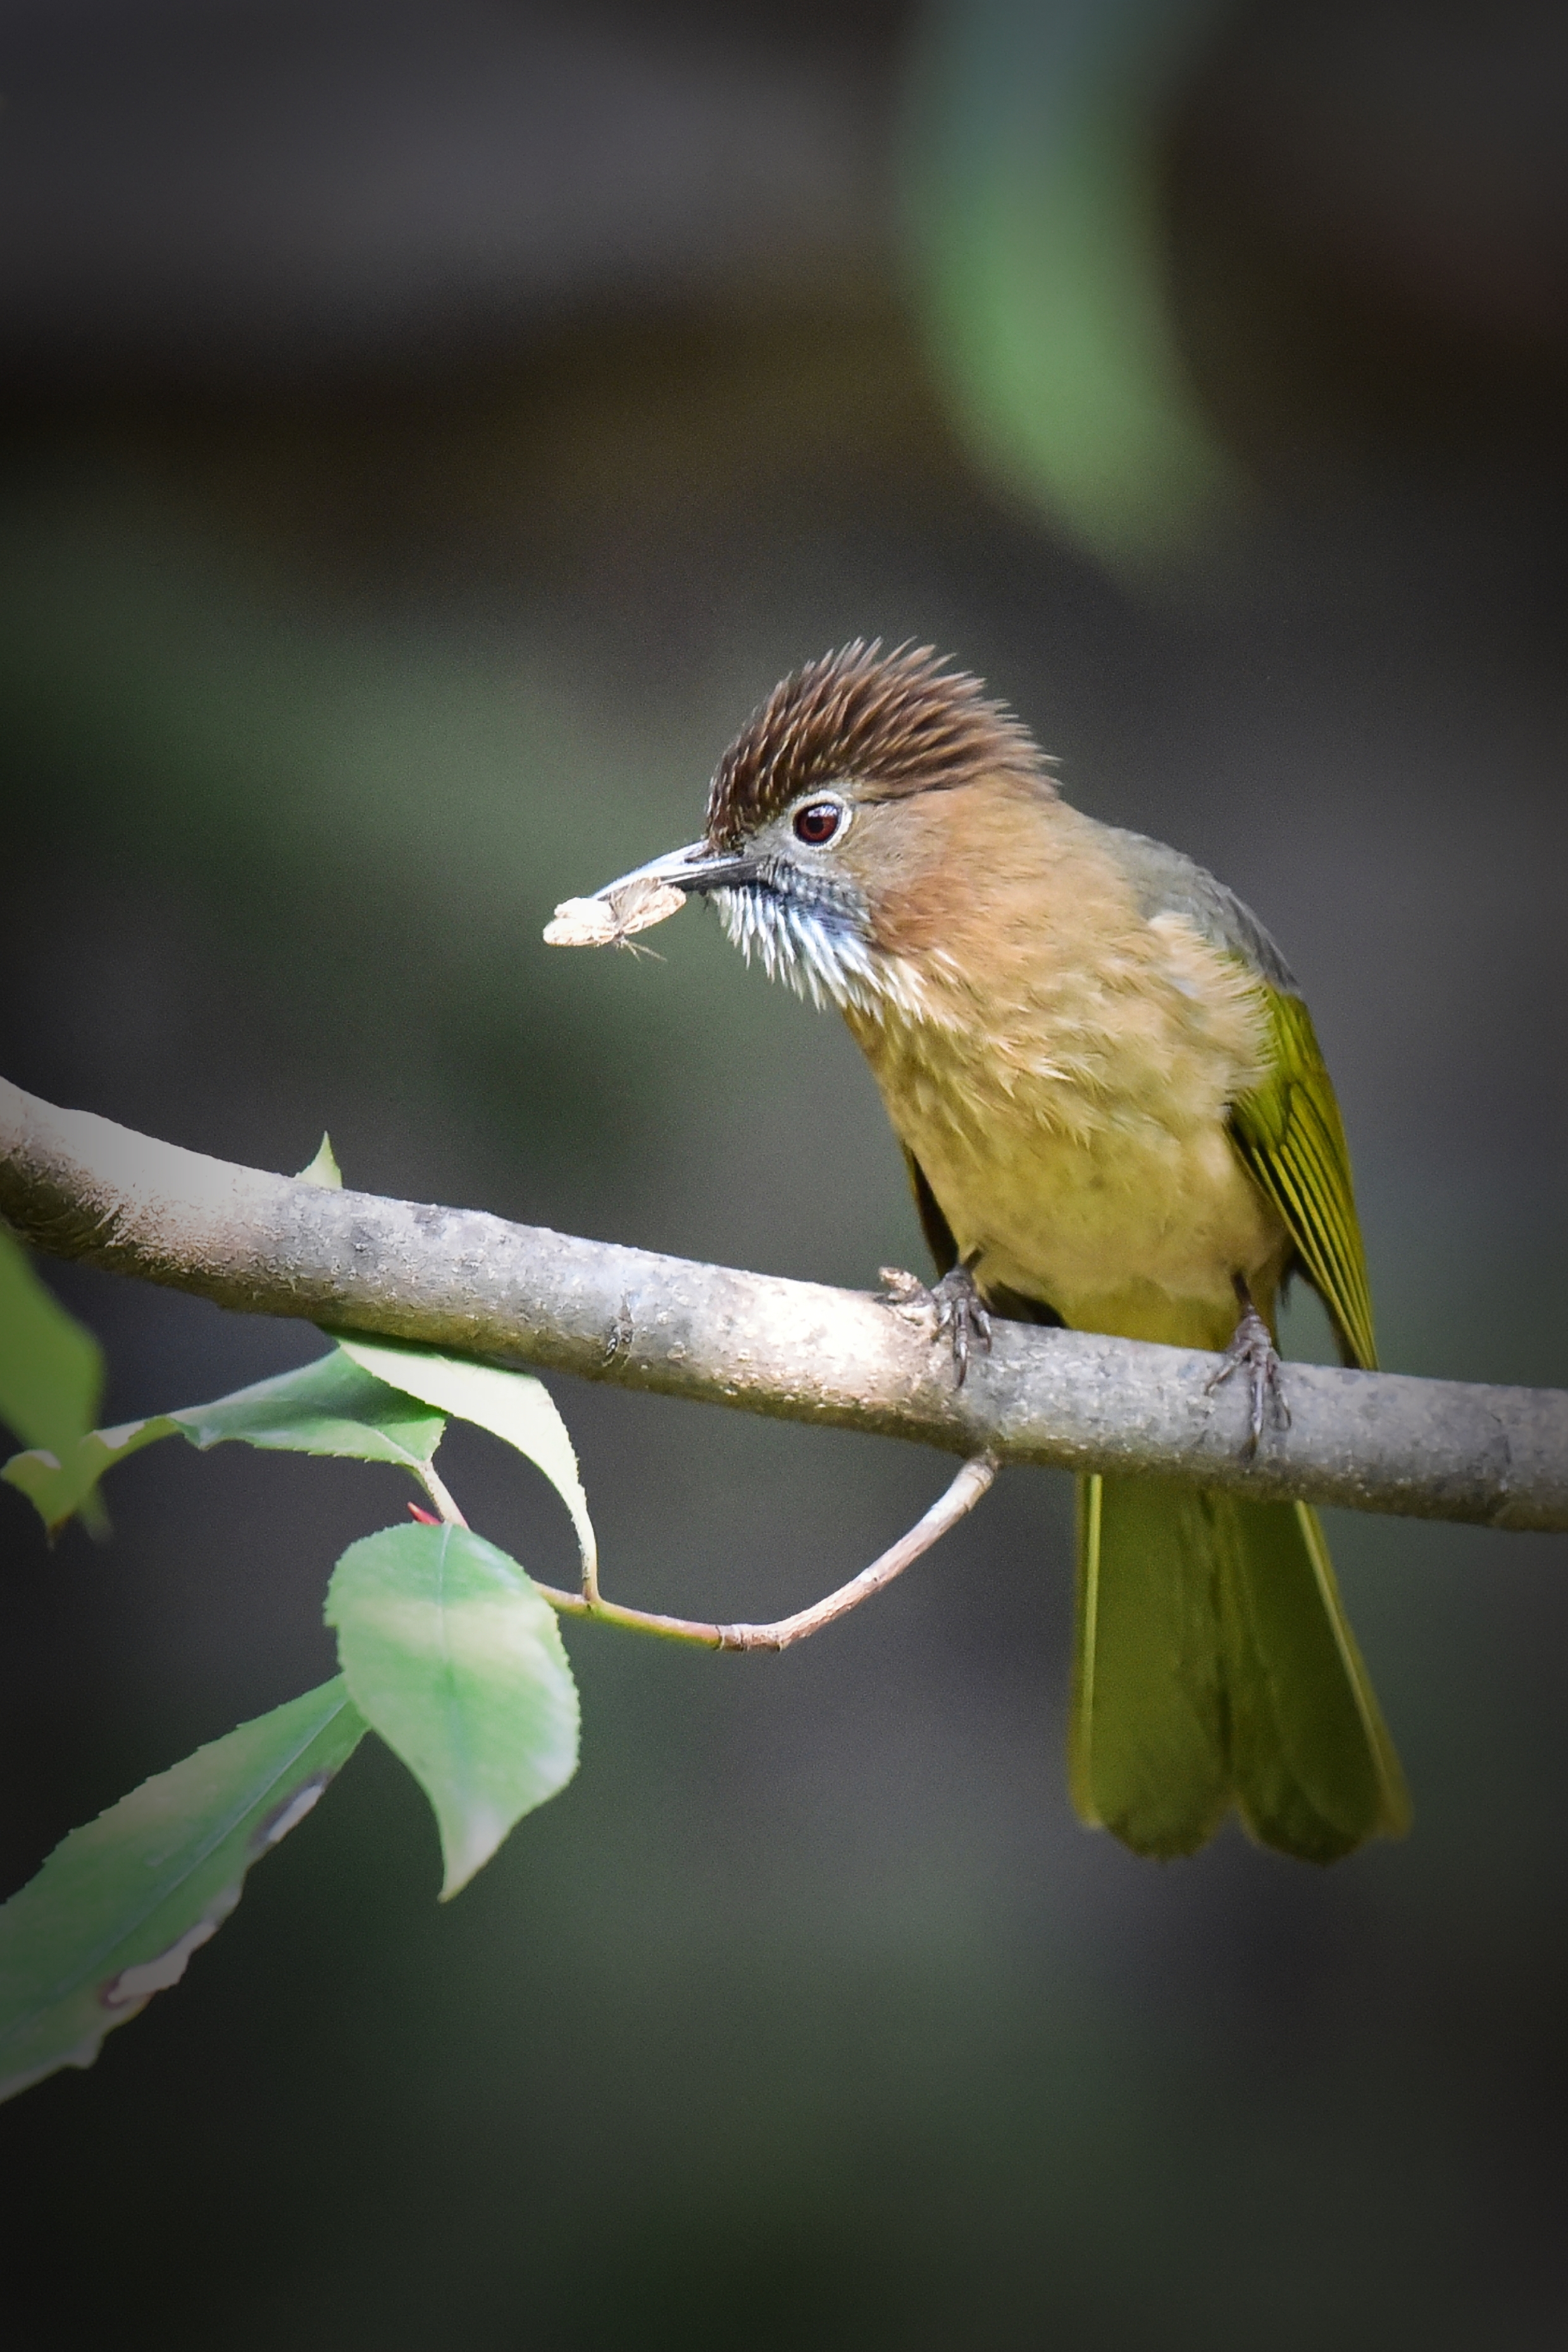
x=427, y=430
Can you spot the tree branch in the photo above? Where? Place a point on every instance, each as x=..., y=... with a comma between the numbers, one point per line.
x=79, y=1187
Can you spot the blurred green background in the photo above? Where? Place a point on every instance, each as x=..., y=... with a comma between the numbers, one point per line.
x=428, y=431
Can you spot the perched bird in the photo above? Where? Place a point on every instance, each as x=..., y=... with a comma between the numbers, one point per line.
x=1116, y=1117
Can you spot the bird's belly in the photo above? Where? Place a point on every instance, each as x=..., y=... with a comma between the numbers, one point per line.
x=1135, y=1227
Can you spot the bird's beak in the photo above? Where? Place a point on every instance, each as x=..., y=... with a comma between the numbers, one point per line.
x=699, y=866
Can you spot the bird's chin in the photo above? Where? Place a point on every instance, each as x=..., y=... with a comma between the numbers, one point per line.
x=814, y=947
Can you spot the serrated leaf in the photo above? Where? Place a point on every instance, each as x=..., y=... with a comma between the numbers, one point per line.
x=330, y=1406
x=121, y=1905
x=323, y=1169
x=51, y=1366
x=449, y=1651
x=512, y=1406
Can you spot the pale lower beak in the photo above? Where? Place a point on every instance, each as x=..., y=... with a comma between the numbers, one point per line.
x=697, y=867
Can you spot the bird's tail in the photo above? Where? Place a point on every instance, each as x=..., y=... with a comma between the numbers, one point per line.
x=1214, y=1667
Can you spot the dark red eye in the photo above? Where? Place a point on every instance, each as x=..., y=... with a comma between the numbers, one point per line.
x=818, y=822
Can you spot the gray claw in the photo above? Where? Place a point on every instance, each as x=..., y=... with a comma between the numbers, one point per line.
x=959, y=1313
x=1252, y=1352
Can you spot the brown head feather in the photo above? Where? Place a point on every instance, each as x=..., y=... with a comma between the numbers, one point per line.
x=892, y=723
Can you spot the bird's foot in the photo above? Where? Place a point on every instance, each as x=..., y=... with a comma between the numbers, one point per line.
x=957, y=1310
x=1252, y=1353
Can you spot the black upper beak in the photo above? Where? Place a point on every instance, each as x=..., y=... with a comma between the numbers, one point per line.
x=699, y=866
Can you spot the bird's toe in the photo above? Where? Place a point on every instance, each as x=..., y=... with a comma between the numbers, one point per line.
x=1253, y=1354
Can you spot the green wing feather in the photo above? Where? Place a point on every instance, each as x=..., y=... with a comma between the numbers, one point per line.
x=1289, y=1134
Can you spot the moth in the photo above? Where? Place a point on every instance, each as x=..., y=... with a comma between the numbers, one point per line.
x=610, y=918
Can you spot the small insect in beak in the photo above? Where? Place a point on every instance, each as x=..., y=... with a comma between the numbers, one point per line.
x=644, y=897
x=609, y=918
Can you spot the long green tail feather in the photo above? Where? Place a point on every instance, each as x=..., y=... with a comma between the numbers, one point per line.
x=1214, y=1667
x=1147, y=1753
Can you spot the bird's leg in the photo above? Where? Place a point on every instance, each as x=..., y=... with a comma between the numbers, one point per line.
x=954, y=1303
x=1252, y=1351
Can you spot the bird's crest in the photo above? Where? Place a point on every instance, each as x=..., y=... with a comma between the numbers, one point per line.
x=894, y=723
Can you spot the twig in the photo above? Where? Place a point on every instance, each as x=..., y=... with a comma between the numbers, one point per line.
x=81, y=1188
x=963, y=1491
x=961, y=1496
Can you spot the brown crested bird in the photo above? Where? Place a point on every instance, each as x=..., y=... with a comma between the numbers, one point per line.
x=1116, y=1117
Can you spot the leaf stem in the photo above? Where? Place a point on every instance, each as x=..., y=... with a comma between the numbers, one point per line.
x=440, y=1494
x=972, y=1480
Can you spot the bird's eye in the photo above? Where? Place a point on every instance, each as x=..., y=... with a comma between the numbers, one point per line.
x=817, y=823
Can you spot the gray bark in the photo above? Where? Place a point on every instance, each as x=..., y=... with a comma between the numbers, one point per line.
x=79, y=1187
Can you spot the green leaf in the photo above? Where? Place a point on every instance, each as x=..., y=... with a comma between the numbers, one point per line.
x=451, y=1653
x=330, y=1406
x=118, y=1908
x=52, y=1368
x=58, y=1485
x=512, y=1405
x=323, y=1168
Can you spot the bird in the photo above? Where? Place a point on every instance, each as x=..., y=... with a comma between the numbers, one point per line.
x=1115, y=1118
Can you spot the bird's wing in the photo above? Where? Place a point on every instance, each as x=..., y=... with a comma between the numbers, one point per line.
x=1288, y=1130
x=1290, y=1137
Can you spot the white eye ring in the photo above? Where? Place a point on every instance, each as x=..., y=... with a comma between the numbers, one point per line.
x=820, y=820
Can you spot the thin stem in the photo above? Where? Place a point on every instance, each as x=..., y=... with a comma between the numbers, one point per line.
x=440, y=1494
x=972, y=1481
